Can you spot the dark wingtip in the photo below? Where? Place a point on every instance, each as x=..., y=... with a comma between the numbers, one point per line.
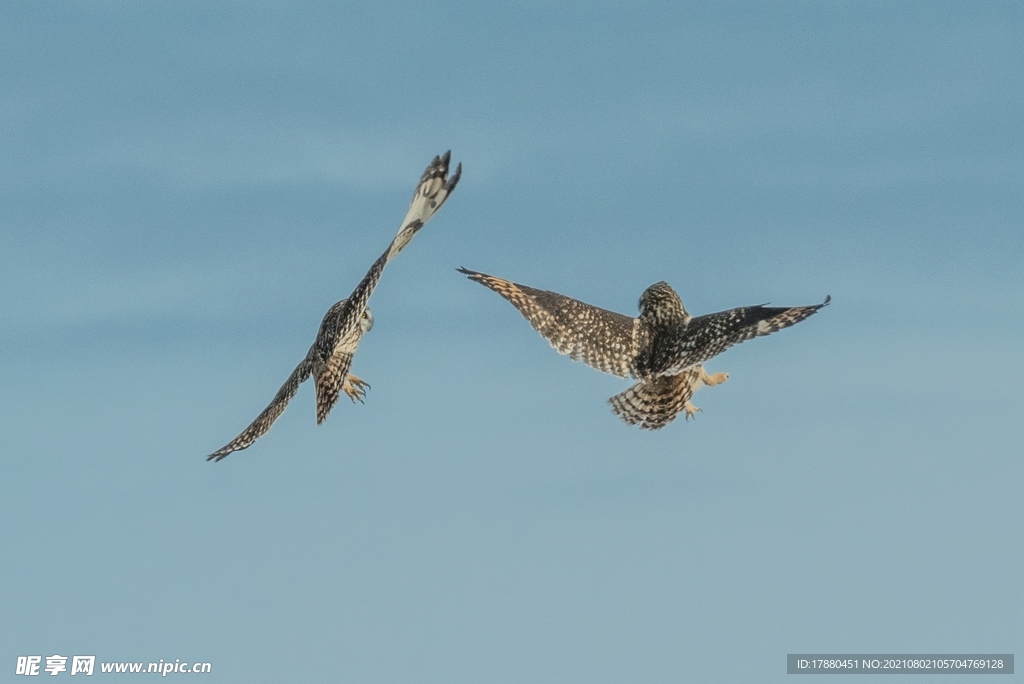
x=828, y=298
x=454, y=179
x=216, y=456
x=466, y=271
x=446, y=157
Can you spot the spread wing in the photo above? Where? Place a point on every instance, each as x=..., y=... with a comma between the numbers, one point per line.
x=602, y=339
x=432, y=192
x=259, y=427
x=707, y=336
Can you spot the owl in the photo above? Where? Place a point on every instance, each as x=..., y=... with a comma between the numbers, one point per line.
x=664, y=348
x=330, y=357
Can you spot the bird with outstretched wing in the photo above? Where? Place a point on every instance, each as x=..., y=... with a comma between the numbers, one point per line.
x=330, y=357
x=664, y=347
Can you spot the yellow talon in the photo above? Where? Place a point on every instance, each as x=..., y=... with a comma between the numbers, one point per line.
x=355, y=388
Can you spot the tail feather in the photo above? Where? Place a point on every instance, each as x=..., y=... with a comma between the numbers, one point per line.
x=326, y=396
x=653, y=404
x=329, y=379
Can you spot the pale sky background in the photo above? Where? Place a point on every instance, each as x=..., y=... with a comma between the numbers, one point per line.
x=185, y=187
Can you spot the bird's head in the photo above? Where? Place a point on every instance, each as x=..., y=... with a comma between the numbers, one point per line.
x=366, y=320
x=660, y=306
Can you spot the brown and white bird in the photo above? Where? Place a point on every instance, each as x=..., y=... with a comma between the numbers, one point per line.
x=330, y=357
x=664, y=348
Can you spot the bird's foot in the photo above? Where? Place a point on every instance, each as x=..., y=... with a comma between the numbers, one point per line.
x=691, y=410
x=355, y=388
x=716, y=379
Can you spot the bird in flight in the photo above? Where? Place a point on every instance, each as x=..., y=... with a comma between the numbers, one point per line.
x=664, y=348
x=330, y=357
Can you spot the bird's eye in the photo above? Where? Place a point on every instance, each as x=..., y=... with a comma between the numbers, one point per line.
x=364, y=314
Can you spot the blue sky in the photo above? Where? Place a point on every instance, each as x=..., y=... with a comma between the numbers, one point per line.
x=185, y=188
